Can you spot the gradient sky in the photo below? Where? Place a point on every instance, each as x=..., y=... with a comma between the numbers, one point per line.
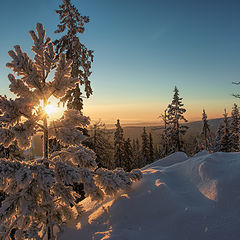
x=143, y=48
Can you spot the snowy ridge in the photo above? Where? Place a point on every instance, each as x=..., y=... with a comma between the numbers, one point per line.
x=195, y=198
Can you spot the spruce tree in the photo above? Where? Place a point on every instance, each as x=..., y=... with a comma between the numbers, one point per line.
x=137, y=160
x=234, y=128
x=127, y=164
x=40, y=197
x=151, y=150
x=165, y=136
x=145, y=148
x=225, y=141
x=118, y=145
x=73, y=23
x=175, y=117
x=157, y=153
x=197, y=146
x=219, y=134
x=99, y=142
x=236, y=95
x=12, y=152
x=206, y=131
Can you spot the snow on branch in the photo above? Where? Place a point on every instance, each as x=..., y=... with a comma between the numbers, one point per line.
x=62, y=79
x=13, y=110
x=237, y=83
x=118, y=179
x=23, y=133
x=7, y=137
x=74, y=118
x=18, y=87
x=68, y=136
x=25, y=67
x=29, y=187
x=78, y=156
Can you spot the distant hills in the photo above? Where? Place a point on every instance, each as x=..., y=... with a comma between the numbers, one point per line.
x=135, y=131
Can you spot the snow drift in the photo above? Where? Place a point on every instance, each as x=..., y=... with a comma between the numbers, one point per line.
x=194, y=198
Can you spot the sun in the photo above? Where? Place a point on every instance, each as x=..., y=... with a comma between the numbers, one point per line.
x=53, y=110
x=49, y=109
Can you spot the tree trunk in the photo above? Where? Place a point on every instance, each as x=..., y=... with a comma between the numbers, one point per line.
x=45, y=155
x=205, y=135
x=45, y=139
x=178, y=138
x=45, y=135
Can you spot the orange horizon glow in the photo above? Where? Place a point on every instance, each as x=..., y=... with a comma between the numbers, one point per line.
x=138, y=114
x=142, y=114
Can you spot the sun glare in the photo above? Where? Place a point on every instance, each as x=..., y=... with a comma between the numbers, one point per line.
x=49, y=109
x=52, y=109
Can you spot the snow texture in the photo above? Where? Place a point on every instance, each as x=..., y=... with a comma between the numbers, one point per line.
x=194, y=198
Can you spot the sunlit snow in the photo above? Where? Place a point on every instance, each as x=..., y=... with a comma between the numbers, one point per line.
x=191, y=198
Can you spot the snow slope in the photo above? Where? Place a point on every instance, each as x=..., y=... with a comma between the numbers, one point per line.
x=196, y=198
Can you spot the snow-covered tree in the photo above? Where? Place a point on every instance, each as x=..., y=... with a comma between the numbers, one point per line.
x=11, y=152
x=145, y=148
x=39, y=194
x=157, y=153
x=99, y=142
x=137, y=159
x=151, y=150
x=118, y=145
x=165, y=136
x=225, y=141
x=206, y=132
x=127, y=163
x=197, y=146
x=219, y=134
x=236, y=95
x=234, y=128
x=72, y=22
x=175, y=117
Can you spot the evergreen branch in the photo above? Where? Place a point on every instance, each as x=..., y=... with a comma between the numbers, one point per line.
x=236, y=95
x=29, y=118
x=10, y=228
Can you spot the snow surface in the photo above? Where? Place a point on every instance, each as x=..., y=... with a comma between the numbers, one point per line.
x=195, y=198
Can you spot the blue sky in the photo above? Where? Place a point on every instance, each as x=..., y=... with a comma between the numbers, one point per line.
x=142, y=50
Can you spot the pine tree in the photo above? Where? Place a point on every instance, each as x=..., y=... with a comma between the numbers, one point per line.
x=225, y=141
x=197, y=146
x=99, y=142
x=157, y=153
x=145, y=148
x=40, y=196
x=118, y=145
x=73, y=22
x=151, y=150
x=134, y=145
x=175, y=116
x=237, y=95
x=127, y=164
x=12, y=151
x=137, y=160
x=165, y=136
x=234, y=128
x=218, y=137
x=206, y=131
